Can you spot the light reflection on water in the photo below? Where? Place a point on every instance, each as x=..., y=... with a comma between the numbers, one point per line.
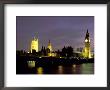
x=74, y=65
x=87, y=68
x=60, y=69
x=39, y=70
x=73, y=68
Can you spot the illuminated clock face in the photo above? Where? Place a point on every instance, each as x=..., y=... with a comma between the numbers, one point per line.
x=86, y=40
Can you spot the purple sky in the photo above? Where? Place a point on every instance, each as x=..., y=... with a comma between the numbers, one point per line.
x=60, y=30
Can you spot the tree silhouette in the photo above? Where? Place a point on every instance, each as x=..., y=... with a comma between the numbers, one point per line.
x=67, y=51
x=63, y=53
x=58, y=53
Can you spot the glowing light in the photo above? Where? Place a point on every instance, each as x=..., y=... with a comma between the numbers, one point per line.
x=31, y=64
x=50, y=46
x=86, y=40
x=51, y=53
x=74, y=68
x=74, y=65
x=39, y=70
x=60, y=69
x=34, y=45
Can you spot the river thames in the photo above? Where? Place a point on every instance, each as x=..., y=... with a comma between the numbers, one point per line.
x=86, y=68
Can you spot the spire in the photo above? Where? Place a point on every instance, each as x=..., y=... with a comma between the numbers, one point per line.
x=35, y=36
x=49, y=41
x=87, y=30
x=87, y=34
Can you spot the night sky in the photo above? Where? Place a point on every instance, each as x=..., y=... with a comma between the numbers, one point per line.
x=60, y=30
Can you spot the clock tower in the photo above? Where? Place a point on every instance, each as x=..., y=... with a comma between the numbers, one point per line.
x=87, y=53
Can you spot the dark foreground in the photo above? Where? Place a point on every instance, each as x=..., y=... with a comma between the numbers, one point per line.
x=52, y=65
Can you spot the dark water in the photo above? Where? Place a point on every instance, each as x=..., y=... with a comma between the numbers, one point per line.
x=87, y=68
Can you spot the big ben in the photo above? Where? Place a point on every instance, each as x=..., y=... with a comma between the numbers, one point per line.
x=87, y=52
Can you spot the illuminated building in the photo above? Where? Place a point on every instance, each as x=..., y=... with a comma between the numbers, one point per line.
x=50, y=46
x=34, y=45
x=50, y=52
x=31, y=63
x=86, y=50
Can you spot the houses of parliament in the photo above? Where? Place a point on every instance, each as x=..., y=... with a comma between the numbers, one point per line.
x=86, y=52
